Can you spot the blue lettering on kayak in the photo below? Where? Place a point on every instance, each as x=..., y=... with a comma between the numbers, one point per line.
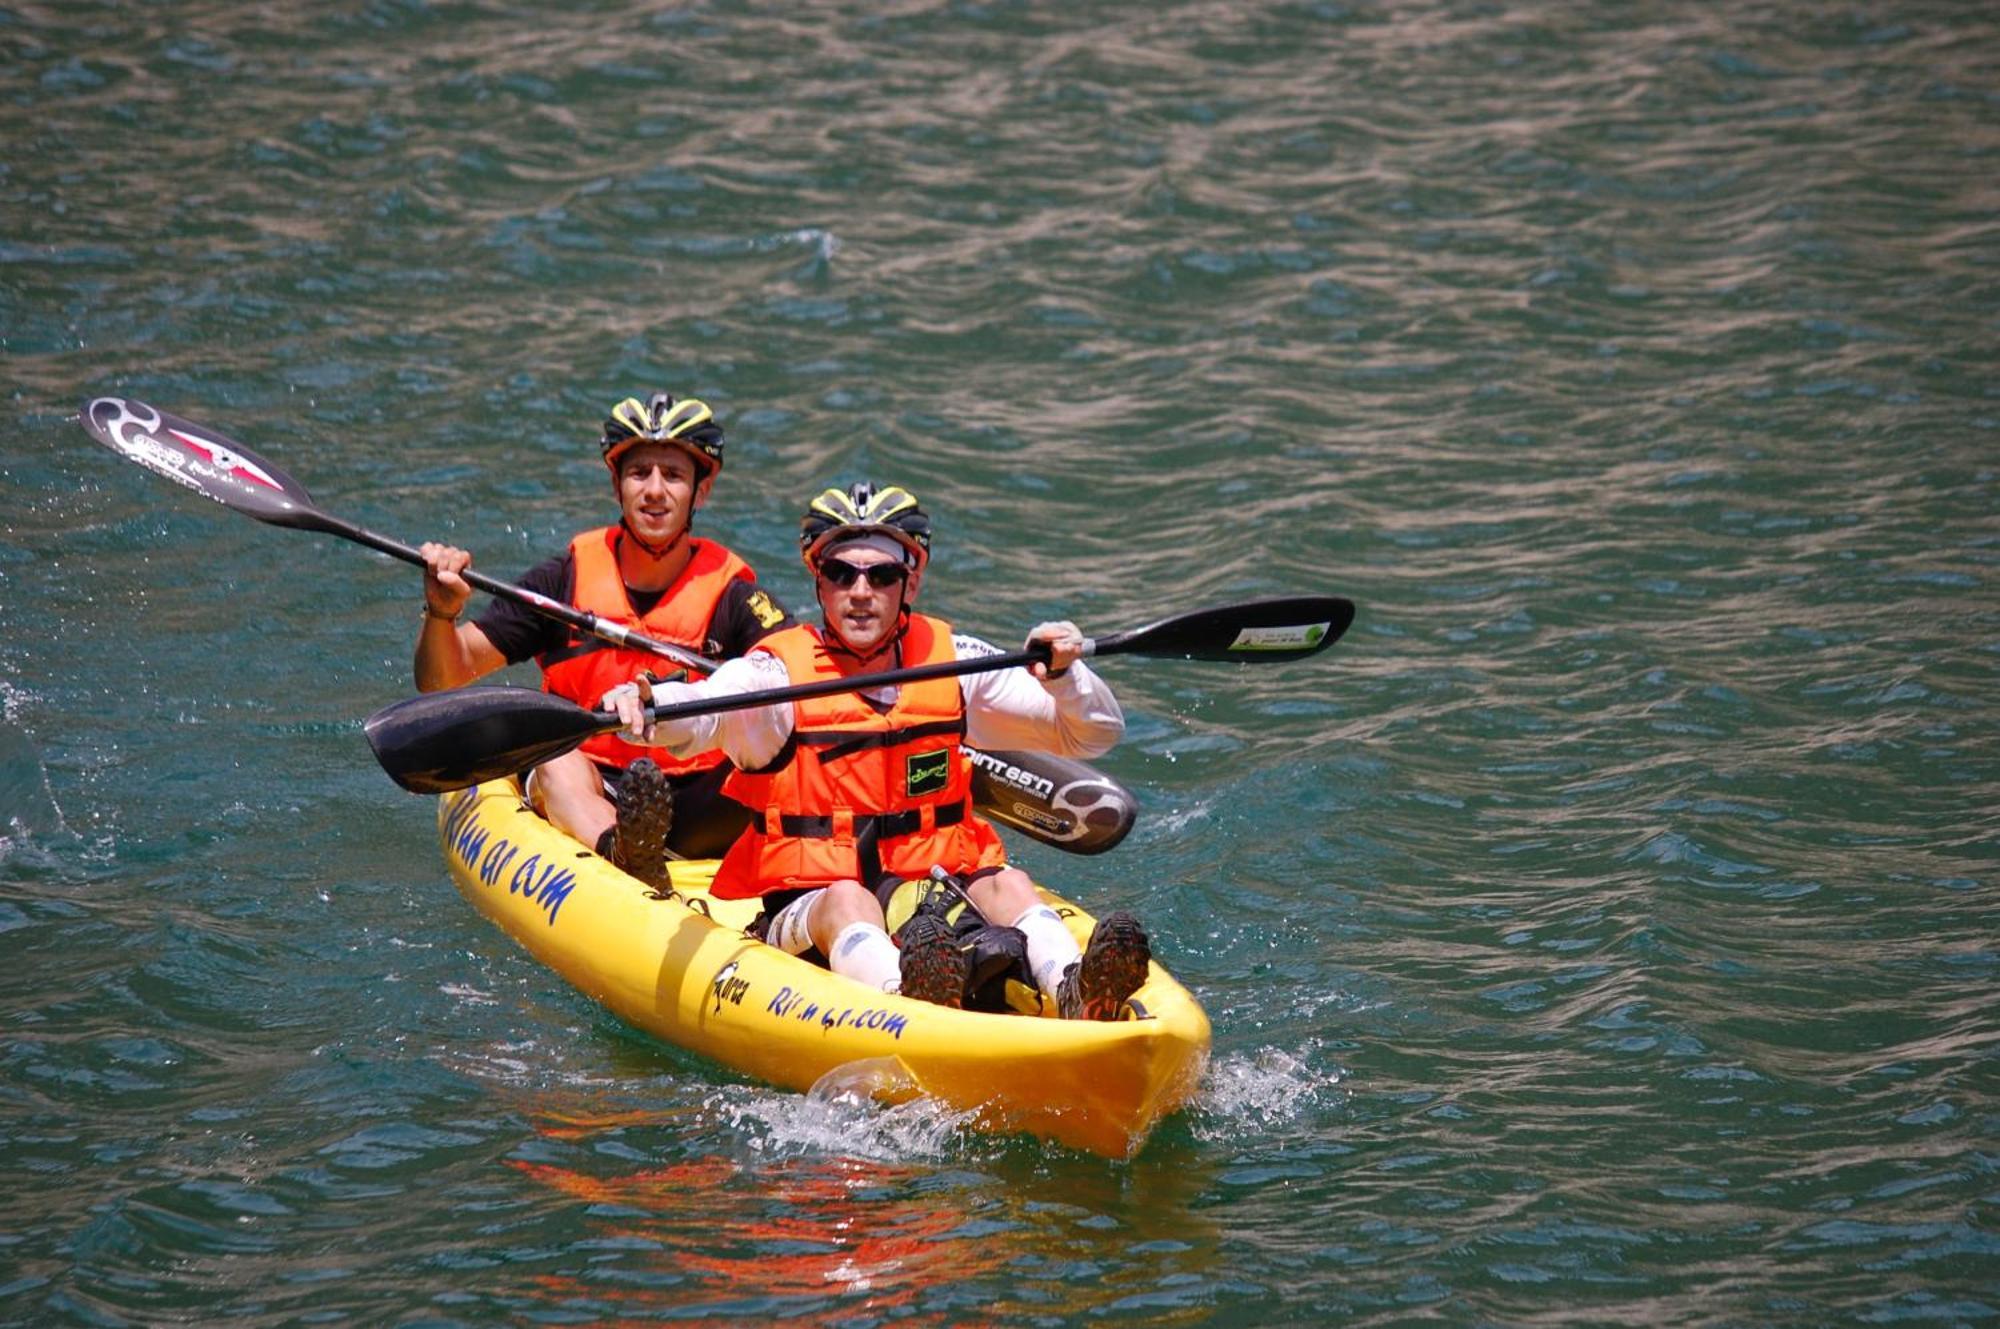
x=546, y=884
x=495, y=860
x=556, y=889
x=789, y=1005
x=466, y=838
x=457, y=809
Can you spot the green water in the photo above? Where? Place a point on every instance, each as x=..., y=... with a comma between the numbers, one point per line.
x=1602, y=932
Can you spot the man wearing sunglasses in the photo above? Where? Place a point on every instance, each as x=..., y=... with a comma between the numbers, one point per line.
x=854, y=794
x=650, y=573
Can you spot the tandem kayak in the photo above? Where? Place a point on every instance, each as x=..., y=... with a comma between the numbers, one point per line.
x=680, y=966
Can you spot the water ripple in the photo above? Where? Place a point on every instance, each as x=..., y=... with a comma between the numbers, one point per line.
x=1599, y=933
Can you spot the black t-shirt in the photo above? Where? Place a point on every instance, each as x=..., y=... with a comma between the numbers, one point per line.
x=746, y=615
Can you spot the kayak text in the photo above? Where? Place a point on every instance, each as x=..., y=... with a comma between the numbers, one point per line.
x=546, y=884
x=797, y=1006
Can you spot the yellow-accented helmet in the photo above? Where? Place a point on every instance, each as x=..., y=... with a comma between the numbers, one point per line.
x=687, y=423
x=839, y=515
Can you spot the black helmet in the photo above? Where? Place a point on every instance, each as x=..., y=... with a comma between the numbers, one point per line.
x=687, y=423
x=837, y=515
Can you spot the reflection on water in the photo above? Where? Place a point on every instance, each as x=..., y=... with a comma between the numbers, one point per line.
x=764, y=1244
x=790, y=1217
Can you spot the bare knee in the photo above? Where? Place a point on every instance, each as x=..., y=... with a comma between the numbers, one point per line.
x=1004, y=896
x=844, y=903
x=569, y=792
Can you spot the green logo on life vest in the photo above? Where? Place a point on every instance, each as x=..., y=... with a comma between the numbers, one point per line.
x=926, y=772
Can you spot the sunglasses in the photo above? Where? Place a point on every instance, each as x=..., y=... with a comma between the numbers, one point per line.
x=840, y=573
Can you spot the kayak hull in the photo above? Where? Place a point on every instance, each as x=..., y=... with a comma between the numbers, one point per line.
x=681, y=968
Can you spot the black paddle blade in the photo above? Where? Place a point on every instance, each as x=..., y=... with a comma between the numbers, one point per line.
x=199, y=458
x=1262, y=631
x=1057, y=800
x=441, y=741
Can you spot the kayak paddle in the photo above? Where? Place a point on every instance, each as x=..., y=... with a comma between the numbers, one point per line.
x=440, y=741
x=224, y=470
x=1033, y=792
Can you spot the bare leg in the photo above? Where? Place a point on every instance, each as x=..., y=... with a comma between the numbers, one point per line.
x=569, y=792
x=840, y=906
x=845, y=923
x=1007, y=894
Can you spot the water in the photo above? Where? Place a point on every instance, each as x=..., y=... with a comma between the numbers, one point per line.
x=1602, y=932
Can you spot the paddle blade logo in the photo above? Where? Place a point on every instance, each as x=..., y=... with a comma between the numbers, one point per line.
x=225, y=461
x=926, y=772
x=1296, y=637
x=174, y=450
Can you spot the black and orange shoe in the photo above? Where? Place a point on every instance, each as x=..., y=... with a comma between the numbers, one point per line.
x=645, y=816
x=1112, y=968
x=934, y=966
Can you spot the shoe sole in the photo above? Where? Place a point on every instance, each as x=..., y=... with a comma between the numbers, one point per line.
x=645, y=817
x=1114, y=966
x=934, y=968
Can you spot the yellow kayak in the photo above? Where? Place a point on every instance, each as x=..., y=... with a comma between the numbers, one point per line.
x=681, y=968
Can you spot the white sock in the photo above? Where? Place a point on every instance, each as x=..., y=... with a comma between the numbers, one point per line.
x=864, y=953
x=1051, y=950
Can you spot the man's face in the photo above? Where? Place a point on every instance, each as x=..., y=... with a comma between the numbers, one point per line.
x=658, y=490
x=863, y=614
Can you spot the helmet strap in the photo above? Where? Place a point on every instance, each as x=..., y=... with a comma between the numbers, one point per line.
x=652, y=550
x=893, y=641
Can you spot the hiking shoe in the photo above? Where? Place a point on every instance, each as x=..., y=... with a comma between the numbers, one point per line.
x=1112, y=968
x=645, y=815
x=934, y=968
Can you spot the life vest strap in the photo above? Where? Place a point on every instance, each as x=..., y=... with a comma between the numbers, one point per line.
x=846, y=742
x=882, y=824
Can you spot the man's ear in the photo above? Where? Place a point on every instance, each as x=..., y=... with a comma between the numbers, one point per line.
x=702, y=487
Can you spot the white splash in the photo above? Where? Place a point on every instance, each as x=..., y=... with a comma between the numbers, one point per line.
x=841, y=1119
x=1263, y=1089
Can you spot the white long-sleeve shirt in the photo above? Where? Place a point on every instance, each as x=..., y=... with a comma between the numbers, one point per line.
x=1072, y=716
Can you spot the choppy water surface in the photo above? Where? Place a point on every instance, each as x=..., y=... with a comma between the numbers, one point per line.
x=1603, y=932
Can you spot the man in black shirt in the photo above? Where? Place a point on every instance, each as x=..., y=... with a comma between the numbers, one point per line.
x=649, y=573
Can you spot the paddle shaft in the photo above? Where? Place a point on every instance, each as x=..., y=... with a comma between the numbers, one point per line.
x=440, y=741
x=580, y=619
x=980, y=664
x=1155, y=639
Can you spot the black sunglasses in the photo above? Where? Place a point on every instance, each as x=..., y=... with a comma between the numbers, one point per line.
x=839, y=572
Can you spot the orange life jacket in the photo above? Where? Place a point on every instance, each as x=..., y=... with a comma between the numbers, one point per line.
x=856, y=792
x=586, y=668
